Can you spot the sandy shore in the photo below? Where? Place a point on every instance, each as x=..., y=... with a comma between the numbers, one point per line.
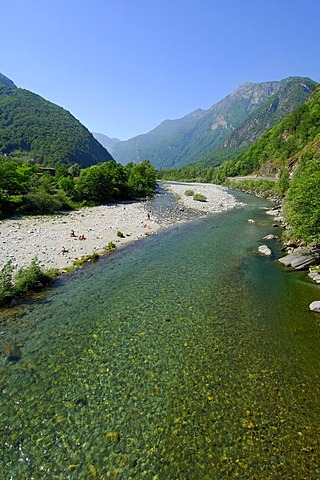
x=44, y=237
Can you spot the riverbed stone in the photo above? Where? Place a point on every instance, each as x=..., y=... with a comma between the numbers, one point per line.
x=300, y=259
x=315, y=276
x=265, y=250
x=270, y=237
x=315, y=306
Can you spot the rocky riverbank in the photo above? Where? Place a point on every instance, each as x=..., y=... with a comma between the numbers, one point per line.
x=56, y=240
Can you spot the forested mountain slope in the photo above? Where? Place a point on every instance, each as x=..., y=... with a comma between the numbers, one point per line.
x=46, y=132
x=284, y=144
x=221, y=132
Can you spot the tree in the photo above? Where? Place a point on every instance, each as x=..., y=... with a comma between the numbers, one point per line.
x=104, y=182
x=142, y=179
x=283, y=182
x=302, y=204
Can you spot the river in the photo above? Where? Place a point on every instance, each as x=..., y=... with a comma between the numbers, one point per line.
x=186, y=355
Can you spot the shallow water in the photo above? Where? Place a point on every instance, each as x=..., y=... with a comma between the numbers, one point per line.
x=184, y=356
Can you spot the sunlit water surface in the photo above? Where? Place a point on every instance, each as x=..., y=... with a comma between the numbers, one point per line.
x=184, y=356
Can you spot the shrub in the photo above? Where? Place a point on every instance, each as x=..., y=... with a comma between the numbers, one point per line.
x=6, y=283
x=120, y=234
x=199, y=197
x=29, y=278
x=110, y=247
x=189, y=193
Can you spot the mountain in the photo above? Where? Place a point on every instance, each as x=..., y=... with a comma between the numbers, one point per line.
x=284, y=144
x=290, y=150
x=105, y=141
x=7, y=81
x=222, y=132
x=44, y=131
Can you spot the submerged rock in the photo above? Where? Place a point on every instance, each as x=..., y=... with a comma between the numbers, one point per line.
x=315, y=307
x=270, y=237
x=12, y=352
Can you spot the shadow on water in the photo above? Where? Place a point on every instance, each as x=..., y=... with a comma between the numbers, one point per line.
x=186, y=356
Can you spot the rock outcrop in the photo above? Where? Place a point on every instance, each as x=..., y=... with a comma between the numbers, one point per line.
x=301, y=258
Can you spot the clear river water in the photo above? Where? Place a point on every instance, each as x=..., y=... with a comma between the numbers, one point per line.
x=186, y=355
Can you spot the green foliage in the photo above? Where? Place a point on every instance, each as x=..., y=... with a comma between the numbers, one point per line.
x=105, y=182
x=282, y=142
x=93, y=257
x=111, y=247
x=47, y=132
x=199, y=197
x=120, y=234
x=141, y=179
x=302, y=203
x=28, y=278
x=6, y=283
x=25, y=190
x=189, y=193
x=196, y=173
x=40, y=202
x=260, y=187
x=283, y=182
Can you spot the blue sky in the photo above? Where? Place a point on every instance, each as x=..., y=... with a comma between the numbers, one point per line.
x=123, y=66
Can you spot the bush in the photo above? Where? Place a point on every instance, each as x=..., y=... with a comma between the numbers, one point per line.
x=29, y=278
x=40, y=202
x=25, y=280
x=189, y=193
x=6, y=283
x=110, y=247
x=120, y=234
x=199, y=197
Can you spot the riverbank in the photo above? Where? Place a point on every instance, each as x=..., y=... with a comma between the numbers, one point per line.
x=48, y=237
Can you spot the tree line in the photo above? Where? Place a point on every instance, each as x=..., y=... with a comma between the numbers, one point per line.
x=27, y=189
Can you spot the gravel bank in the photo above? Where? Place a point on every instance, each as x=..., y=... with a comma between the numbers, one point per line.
x=22, y=239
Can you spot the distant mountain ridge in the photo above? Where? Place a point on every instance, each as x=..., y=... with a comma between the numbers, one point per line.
x=106, y=141
x=47, y=133
x=220, y=133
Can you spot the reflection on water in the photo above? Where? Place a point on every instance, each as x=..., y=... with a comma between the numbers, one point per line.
x=187, y=356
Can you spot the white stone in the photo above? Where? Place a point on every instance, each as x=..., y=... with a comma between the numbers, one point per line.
x=270, y=237
x=265, y=250
x=315, y=307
